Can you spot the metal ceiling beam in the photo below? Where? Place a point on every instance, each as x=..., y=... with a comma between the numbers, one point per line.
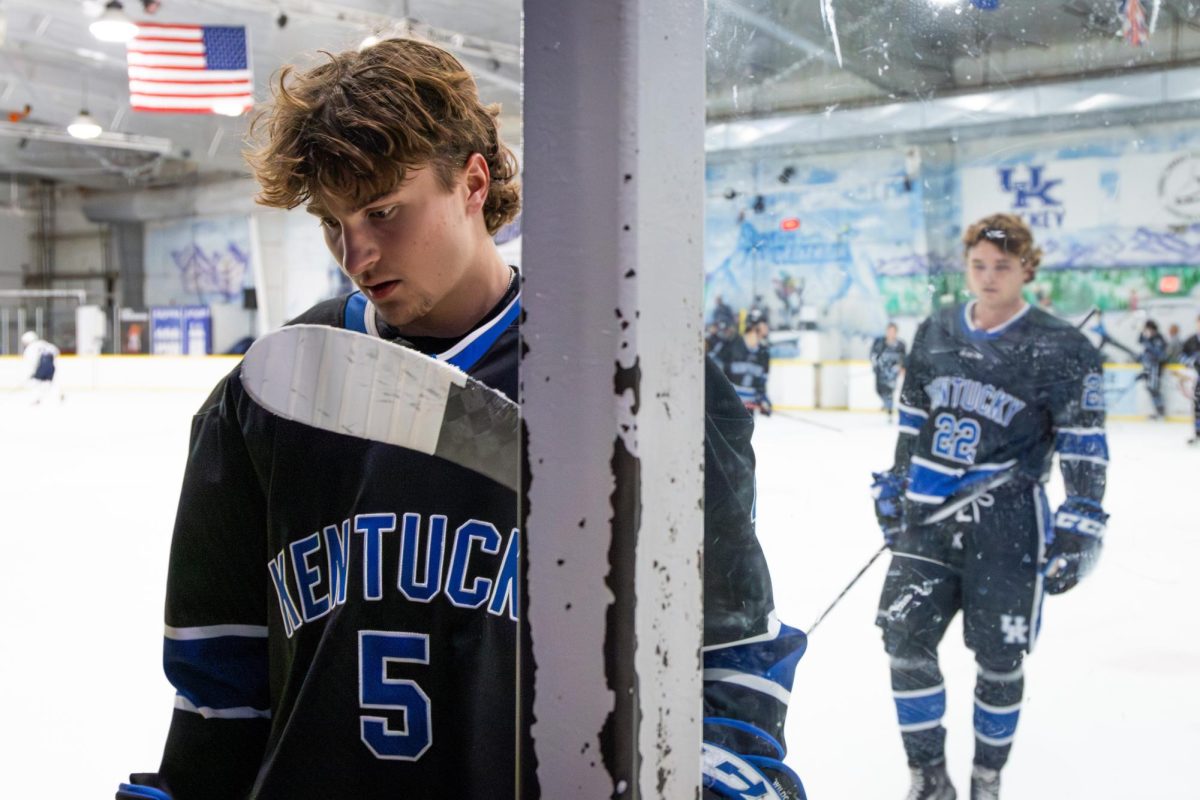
x=113, y=141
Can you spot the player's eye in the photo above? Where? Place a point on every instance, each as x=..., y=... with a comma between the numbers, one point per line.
x=382, y=213
x=329, y=223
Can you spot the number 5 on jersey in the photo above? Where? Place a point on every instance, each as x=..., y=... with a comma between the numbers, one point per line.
x=377, y=649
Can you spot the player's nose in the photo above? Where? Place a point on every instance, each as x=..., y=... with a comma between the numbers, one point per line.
x=360, y=251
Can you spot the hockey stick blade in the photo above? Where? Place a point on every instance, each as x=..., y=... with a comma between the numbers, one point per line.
x=369, y=388
x=955, y=502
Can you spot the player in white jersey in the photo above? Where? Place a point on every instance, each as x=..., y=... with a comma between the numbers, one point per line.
x=40, y=367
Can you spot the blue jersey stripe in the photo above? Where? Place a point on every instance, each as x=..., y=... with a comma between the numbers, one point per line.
x=773, y=659
x=356, y=312
x=908, y=420
x=469, y=355
x=930, y=483
x=219, y=672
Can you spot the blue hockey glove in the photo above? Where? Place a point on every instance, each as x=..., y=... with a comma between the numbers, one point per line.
x=755, y=771
x=888, y=491
x=1078, y=536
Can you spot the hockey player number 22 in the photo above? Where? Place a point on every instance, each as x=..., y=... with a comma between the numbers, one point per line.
x=955, y=439
x=376, y=691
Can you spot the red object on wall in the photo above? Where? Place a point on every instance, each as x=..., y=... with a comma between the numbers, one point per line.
x=1168, y=284
x=790, y=224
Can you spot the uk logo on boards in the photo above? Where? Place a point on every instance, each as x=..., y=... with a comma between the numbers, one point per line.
x=1031, y=193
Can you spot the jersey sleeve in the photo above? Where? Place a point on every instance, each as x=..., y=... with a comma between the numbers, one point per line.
x=914, y=402
x=749, y=656
x=1079, y=437
x=215, y=640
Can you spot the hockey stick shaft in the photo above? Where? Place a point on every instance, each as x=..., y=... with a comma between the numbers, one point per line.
x=849, y=586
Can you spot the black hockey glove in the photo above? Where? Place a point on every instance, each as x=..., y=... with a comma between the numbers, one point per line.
x=1078, y=536
x=142, y=786
x=741, y=761
x=888, y=491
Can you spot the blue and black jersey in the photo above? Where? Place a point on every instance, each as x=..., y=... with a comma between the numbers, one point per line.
x=979, y=402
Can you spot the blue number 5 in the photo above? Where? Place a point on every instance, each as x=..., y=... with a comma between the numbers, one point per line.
x=376, y=649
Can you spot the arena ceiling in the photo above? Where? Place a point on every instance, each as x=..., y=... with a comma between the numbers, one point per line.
x=765, y=57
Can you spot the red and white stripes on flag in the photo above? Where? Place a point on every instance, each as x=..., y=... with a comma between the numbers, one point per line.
x=198, y=69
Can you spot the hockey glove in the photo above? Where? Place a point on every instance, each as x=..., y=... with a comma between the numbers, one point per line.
x=888, y=491
x=755, y=770
x=1078, y=536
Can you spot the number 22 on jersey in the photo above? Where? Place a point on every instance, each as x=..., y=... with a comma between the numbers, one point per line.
x=955, y=439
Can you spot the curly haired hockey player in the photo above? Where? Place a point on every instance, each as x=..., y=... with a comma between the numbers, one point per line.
x=994, y=389
x=341, y=615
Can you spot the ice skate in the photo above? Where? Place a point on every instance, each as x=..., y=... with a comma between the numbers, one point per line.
x=930, y=782
x=985, y=783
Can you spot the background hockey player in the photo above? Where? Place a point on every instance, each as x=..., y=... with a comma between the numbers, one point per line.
x=887, y=360
x=993, y=389
x=1154, y=355
x=746, y=361
x=40, y=366
x=313, y=656
x=1190, y=356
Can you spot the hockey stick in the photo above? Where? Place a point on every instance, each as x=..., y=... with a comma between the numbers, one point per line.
x=787, y=415
x=357, y=385
x=849, y=586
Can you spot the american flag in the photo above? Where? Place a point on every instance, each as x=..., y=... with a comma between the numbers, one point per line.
x=197, y=69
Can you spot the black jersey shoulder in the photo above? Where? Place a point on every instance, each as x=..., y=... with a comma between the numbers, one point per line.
x=328, y=312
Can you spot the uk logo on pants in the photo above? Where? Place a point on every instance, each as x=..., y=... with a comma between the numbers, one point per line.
x=1015, y=629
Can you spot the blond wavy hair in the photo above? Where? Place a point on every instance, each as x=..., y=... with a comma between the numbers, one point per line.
x=1009, y=233
x=353, y=126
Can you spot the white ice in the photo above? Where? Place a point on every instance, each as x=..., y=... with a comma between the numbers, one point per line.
x=1112, y=708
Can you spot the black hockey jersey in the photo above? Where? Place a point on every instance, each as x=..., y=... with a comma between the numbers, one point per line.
x=747, y=368
x=341, y=614
x=887, y=360
x=976, y=403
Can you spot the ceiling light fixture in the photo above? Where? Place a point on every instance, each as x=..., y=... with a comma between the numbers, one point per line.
x=113, y=25
x=84, y=126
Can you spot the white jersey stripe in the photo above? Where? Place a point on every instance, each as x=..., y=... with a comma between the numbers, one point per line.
x=912, y=694
x=754, y=682
x=242, y=712
x=213, y=631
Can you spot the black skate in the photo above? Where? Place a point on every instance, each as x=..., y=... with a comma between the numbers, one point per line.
x=930, y=782
x=985, y=783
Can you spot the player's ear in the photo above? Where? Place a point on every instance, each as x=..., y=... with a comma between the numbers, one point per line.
x=478, y=180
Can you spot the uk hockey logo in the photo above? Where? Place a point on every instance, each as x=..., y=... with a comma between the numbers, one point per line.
x=1014, y=628
x=1050, y=212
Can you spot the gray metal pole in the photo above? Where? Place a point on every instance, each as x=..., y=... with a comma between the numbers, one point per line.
x=612, y=394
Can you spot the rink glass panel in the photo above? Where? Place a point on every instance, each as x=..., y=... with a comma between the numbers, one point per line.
x=849, y=143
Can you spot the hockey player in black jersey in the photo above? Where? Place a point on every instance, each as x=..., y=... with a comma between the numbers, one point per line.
x=1153, y=357
x=994, y=389
x=746, y=361
x=341, y=614
x=887, y=360
x=1189, y=355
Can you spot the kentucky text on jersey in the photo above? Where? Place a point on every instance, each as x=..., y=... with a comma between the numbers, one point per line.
x=430, y=564
x=983, y=399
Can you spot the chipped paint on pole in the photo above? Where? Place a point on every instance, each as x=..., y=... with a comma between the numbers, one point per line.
x=612, y=394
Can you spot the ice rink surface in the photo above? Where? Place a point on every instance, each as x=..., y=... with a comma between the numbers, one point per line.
x=1112, y=708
